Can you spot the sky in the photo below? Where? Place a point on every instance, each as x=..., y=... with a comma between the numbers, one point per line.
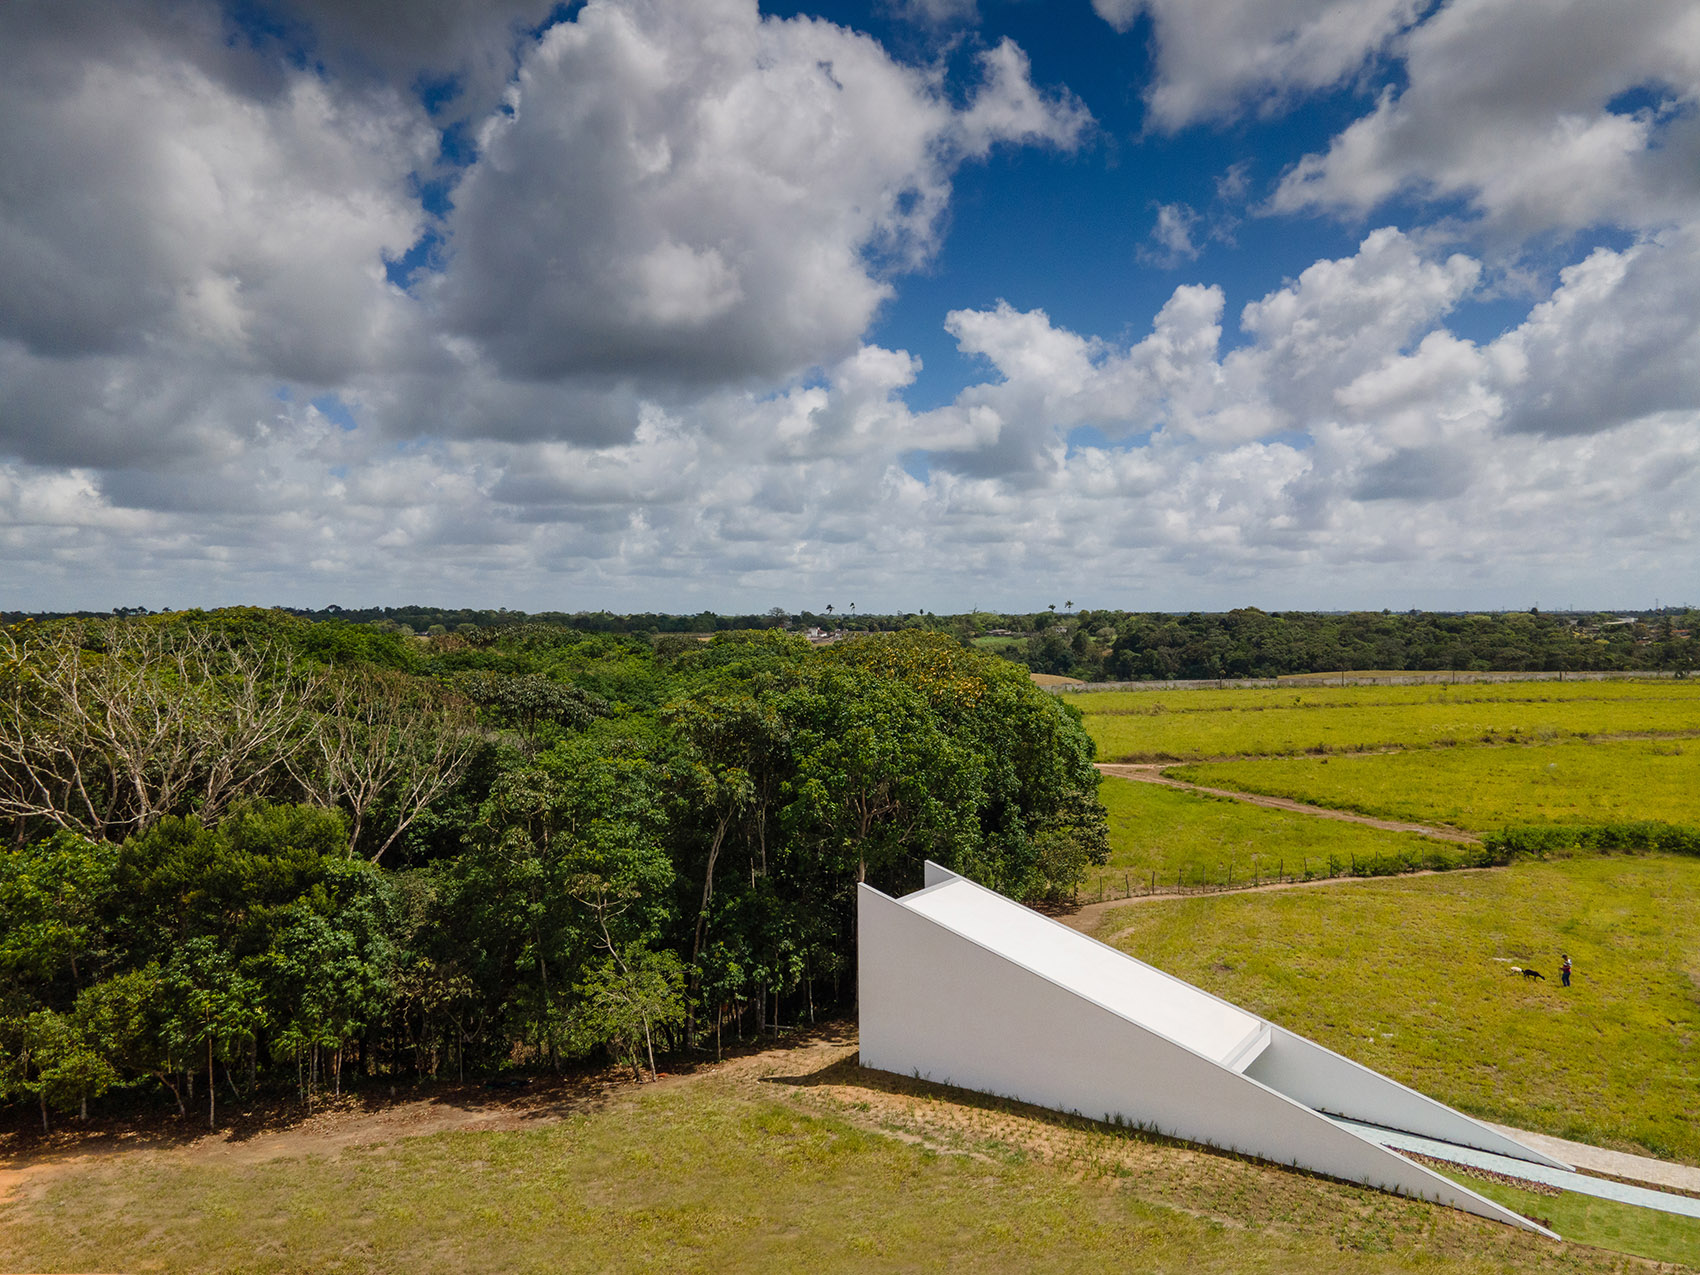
x=915, y=304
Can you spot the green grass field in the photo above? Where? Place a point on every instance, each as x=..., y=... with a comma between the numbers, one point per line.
x=1184, y=837
x=1484, y=789
x=1412, y=977
x=1663, y=1237
x=1141, y=725
x=833, y=1170
x=818, y=1166
x=1212, y=699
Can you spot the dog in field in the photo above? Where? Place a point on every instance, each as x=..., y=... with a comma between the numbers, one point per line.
x=1529, y=973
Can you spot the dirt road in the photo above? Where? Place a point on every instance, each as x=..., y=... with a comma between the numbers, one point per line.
x=1152, y=773
x=1088, y=918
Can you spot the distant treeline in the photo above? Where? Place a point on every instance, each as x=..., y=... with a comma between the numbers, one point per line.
x=249, y=851
x=1118, y=646
x=1113, y=645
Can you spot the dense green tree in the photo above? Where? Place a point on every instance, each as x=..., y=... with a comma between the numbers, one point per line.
x=470, y=849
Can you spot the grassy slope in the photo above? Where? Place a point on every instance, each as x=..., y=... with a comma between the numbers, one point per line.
x=1166, y=830
x=1412, y=977
x=1665, y=1237
x=721, y=1176
x=1483, y=789
x=1136, y=725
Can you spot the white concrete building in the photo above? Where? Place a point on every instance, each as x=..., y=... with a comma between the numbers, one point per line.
x=962, y=986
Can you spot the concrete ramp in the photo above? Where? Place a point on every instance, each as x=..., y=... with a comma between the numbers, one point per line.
x=962, y=986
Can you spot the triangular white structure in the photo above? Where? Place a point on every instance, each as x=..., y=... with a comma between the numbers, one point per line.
x=960, y=985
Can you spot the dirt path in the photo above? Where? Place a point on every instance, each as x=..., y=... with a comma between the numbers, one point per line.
x=1152, y=773
x=1088, y=917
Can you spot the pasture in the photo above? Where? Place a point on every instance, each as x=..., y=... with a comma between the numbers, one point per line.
x=1413, y=978
x=1484, y=789
x=792, y=1160
x=1266, y=721
x=1180, y=838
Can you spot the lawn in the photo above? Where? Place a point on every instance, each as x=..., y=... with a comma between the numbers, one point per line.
x=1137, y=725
x=1485, y=789
x=1665, y=1237
x=1413, y=978
x=831, y=1170
x=1188, y=837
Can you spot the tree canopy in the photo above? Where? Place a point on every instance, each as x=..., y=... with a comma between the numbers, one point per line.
x=249, y=848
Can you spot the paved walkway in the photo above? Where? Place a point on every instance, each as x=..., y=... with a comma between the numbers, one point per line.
x=1581, y=1183
x=1620, y=1164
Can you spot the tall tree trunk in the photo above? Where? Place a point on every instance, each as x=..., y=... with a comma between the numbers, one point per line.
x=164, y=1079
x=212, y=1088
x=702, y=932
x=548, y=1008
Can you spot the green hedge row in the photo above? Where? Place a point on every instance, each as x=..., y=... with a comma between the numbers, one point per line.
x=1563, y=840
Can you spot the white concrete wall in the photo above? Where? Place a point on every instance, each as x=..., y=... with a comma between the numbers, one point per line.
x=1168, y=1006
x=1322, y=1079
x=947, y=1009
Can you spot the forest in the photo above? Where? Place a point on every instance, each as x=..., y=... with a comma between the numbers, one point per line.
x=1122, y=646
x=255, y=852
x=1098, y=645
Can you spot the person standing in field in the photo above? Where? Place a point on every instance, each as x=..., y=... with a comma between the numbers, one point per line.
x=1564, y=971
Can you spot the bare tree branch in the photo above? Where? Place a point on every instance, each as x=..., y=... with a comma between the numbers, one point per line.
x=107, y=727
x=387, y=744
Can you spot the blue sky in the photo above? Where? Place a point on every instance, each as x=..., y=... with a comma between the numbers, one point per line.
x=642, y=304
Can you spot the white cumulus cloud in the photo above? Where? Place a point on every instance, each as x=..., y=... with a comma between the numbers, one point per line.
x=699, y=194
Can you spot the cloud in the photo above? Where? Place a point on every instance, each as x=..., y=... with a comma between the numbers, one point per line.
x=696, y=194
x=1520, y=109
x=641, y=370
x=192, y=218
x=466, y=49
x=936, y=13
x=1171, y=241
x=147, y=204
x=1007, y=107
x=1341, y=317
x=1618, y=340
x=1338, y=322
x=1214, y=60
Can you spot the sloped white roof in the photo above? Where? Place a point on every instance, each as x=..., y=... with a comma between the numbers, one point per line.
x=1119, y=983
